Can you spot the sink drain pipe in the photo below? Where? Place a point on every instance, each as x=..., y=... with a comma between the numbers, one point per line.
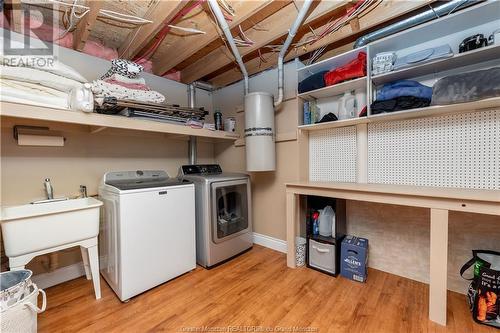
x=284, y=49
x=229, y=38
x=193, y=142
x=260, y=146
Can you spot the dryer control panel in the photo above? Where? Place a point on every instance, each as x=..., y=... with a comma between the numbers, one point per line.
x=203, y=169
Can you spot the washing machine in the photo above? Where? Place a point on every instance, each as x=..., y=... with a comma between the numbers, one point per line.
x=147, y=234
x=223, y=213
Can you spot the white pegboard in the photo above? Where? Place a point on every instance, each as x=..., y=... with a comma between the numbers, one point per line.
x=332, y=155
x=460, y=150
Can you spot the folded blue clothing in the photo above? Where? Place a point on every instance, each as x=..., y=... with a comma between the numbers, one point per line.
x=404, y=88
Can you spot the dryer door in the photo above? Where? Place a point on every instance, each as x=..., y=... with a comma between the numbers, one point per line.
x=230, y=209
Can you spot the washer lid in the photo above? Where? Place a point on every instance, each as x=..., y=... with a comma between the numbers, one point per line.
x=133, y=180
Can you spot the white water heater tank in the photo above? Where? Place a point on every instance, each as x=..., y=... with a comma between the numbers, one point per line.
x=259, y=132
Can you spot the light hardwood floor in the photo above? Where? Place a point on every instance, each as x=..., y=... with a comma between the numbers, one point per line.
x=256, y=289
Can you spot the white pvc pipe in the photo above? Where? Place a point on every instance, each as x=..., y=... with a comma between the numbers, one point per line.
x=291, y=34
x=229, y=37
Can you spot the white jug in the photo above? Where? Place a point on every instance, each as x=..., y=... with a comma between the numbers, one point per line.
x=326, y=218
x=346, y=106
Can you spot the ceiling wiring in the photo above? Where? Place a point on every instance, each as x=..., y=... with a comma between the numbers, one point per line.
x=331, y=27
x=71, y=19
x=162, y=34
x=104, y=12
x=192, y=30
x=124, y=17
x=227, y=7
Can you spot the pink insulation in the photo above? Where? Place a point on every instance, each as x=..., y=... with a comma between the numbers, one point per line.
x=3, y=21
x=147, y=64
x=48, y=33
x=98, y=50
x=173, y=75
x=51, y=34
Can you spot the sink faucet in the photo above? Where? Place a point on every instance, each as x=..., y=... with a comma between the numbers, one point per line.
x=49, y=189
x=50, y=194
x=83, y=191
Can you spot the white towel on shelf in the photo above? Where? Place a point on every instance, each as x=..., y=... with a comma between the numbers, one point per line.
x=33, y=94
x=46, y=79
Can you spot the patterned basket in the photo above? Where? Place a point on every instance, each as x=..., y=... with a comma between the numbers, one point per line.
x=18, y=302
x=300, y=251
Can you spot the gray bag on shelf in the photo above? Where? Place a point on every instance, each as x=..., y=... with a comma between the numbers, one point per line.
x=423, y=56
x=467, y=87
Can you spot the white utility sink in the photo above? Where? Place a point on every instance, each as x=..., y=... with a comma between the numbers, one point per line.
x=35, y=227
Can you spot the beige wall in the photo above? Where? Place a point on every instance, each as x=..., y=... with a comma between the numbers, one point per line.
x=86, y=157
x=399, y=239
x=83, y=160
x=268, y=188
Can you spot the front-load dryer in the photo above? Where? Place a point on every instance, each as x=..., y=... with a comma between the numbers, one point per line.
x=223, y=213
x=147, y=232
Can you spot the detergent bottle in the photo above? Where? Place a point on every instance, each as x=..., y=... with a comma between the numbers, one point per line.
x=347, y=106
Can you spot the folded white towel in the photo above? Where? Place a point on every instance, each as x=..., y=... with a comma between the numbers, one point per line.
x=33, y=94
x=46, y=79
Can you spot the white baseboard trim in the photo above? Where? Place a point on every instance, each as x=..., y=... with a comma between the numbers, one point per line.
x=60, y=275
x=270, y=242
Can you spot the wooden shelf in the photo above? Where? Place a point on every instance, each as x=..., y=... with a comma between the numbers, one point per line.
x=431, y=111
x=100, y=121
x=324, y=239
x=355, y=191
x=437, y=110
x=335, y=90
x=329, y=64
x=440, y=65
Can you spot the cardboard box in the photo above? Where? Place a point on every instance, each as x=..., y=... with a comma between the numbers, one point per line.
x=354, y=258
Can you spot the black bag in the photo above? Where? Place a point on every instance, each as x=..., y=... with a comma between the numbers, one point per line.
x=483, y=295
x=313, y=82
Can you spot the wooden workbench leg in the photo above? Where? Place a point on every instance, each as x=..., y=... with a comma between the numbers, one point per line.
x=438, y=265
x=291, y=215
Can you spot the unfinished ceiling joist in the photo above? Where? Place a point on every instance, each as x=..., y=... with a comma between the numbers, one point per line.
x=159, y=12
x=274, y=27
x=16, y=15
x=383, y=12
x=187, y=48
x=85, y=25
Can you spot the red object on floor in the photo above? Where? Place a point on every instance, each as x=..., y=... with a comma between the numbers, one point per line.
x=354, y=69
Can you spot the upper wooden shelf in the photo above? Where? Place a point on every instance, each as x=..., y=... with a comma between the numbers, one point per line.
x=431, y=111
x=23, y=111
x=334, y=90
x=458, y=60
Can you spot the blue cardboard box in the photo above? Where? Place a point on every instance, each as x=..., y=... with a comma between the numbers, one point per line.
x=354, y=258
